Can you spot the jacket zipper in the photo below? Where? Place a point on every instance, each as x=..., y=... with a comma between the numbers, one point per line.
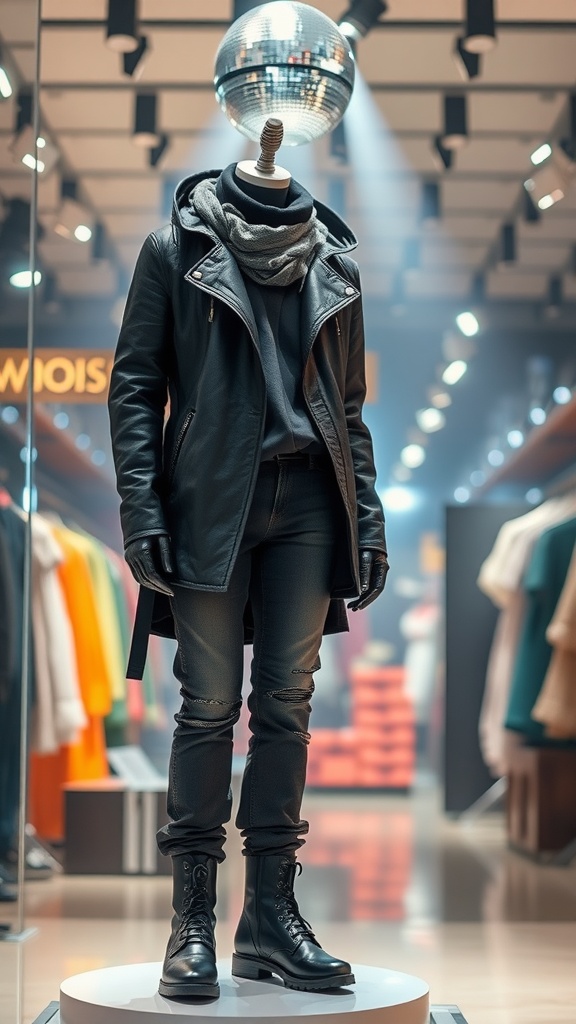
x=338, y=331
x=211, y=313
x=187, y=421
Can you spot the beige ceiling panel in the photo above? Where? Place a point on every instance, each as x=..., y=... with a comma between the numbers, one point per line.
x=187, y=9
x=510, y=284
x=190, y=110
x=533, y=255
x=494, y=155
x=19, y=185
x=409, y=111
x=123, y=193
x=477, y=195
x=474, y=228
x=71, y=10
x=131, y=225
x=174, y=55
x=561, y=225
x=98, y=279
x=60, y=252
x=508, y=10
x=533, y=58
x=78, y=55
x=87, y=153
x=18, y=20
x=517, y=112
x=89, y=110
x=7, y=118
x=49, y=192
x=409, y=57
x=25, y=61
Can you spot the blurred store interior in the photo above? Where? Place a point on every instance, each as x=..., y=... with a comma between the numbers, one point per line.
x=443, y=757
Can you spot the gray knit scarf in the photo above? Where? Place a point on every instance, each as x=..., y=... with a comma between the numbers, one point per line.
x=269, y=255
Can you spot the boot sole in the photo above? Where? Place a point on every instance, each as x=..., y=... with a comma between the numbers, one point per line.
x=183, y=989
x=260, y=970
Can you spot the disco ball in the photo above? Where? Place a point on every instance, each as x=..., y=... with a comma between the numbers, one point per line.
x=284, y=60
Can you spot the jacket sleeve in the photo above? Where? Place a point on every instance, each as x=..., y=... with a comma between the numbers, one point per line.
x=138, y=395
x=371, y=532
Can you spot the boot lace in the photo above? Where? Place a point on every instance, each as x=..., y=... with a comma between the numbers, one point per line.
x=289, y=913
x=195, y=920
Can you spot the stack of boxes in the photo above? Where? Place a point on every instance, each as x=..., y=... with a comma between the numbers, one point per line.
x=378, y=750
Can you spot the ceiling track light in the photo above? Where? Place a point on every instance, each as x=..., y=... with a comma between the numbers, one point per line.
x=508, y=244
x=549, y=182
x=531, y=212
x=555, y=296
x=431, y=205
x=99, y=246
x=133, y=63
x=6, y=89
x=568, y=144
x=468, y=63
x=145, y=133
x=73, y=220
x=157, y=152
x=360, y=17
x=446, y=156
x=480, y=31
x=24, y=110
x=121, y=26
x=455, y=134
x=339, y=144
x=478, y=289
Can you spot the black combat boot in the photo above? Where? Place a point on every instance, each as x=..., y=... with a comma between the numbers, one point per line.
x=272, y=936
x=190, y=962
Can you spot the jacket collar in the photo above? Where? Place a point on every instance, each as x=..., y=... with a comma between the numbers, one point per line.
x=325, y=291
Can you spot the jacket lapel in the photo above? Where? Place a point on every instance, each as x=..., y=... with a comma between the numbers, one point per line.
x=324, y=293
x=217, y=273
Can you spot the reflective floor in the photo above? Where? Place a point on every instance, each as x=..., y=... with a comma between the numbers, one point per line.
x=386, y=882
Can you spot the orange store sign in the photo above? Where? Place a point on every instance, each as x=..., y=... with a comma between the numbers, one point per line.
x=60, y=375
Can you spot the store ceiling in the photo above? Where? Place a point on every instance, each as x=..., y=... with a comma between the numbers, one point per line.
x=87, y=106
x=520, y=99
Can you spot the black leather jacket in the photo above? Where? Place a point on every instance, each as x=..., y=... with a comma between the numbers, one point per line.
x=188, y=331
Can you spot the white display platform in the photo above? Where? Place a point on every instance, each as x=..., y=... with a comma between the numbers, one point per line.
x=129, y=995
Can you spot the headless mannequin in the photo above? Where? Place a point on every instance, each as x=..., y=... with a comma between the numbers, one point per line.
x=150, y=558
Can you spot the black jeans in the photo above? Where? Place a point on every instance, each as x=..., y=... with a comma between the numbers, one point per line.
x=285, y=567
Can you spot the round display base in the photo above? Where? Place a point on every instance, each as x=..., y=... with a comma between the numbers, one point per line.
x=129, y=995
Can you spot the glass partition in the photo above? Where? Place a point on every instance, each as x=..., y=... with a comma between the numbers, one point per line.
x=25, y=166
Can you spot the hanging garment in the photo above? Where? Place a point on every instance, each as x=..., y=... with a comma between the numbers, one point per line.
x=58, y=714
x=543, y=585
x=12, y=530
x=500, y=579
x=556, y=705
x=85, y=759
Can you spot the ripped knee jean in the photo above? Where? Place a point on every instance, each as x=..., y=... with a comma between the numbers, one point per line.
x=284, y=568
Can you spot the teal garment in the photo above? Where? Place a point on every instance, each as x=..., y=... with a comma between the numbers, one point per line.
x=543, y=584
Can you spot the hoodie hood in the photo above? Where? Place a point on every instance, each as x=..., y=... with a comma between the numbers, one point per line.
x=340, y=237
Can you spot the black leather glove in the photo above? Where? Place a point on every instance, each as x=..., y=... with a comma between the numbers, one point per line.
x=150, y=561
x=373, y=571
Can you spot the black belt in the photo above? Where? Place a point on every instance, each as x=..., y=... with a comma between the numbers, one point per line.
x=312, y=460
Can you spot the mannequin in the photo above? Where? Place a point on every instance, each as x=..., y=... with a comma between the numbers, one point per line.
x=244, y=504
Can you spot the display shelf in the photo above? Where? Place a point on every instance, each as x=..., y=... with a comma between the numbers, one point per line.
x=549, y=450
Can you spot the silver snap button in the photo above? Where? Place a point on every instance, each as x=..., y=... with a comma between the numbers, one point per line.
x=349, y=290
x=197, y=274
